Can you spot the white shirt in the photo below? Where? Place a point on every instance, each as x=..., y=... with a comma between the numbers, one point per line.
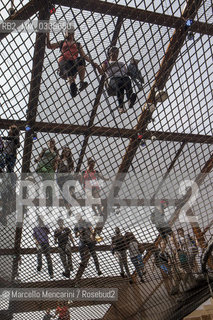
x=133, y=249
x=116, y=69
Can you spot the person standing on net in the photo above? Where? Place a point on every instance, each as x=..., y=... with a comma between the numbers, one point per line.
x=63, y=236
x=40, y=235
x=119, y=248
x=83, y=230
x=72, y=60
x=65, y=177
x=135, y=255
x=118, y=79
x=159, y=220
x=9, y=149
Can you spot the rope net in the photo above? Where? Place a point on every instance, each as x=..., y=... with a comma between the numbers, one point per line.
x=144, y=156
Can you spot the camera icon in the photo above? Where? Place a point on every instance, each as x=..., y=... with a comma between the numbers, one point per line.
x=5, y=294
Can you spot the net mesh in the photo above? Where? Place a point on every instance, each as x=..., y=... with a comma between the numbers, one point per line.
x=144, y=160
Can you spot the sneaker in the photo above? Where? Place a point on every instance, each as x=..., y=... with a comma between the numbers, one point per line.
x=121, y=110
x=142, y=280
x=161, y=96
x=83, y=86
x=73, y=90
x=66, y=274
x=38, y=269
x=99, y=272
x=123, y=275
x=51, y=276
x=132, y=100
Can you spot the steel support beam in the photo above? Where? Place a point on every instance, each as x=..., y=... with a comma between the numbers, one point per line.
x=42, y=305
x=27, y=251
x=126, y=12
x=107, y=132
x=31, y=116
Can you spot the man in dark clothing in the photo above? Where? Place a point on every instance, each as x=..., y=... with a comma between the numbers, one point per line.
x=40, y=235
x=62, y=236
x=83, y=230
x=119, y=248
x=158, y=219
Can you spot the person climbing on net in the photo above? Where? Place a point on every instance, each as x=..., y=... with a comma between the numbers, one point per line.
x=72, y=60
x=118, y=80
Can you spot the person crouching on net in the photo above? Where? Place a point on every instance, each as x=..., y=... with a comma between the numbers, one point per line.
x=71, y=61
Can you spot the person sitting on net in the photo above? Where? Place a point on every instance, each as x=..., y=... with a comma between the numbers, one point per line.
x=118, y=79
x=72, y=60
x=119, y=247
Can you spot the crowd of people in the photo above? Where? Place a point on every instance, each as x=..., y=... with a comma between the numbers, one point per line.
x=176, y=260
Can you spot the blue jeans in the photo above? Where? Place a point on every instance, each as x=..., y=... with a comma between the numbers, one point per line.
x=44, y=248
x=138, y=263
x=84, y=246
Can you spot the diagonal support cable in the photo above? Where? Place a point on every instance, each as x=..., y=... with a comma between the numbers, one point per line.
x=169, y=169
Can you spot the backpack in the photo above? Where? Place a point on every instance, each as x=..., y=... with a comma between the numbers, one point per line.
x=110, y=87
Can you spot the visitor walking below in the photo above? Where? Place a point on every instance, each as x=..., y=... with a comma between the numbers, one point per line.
x=40, y=235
